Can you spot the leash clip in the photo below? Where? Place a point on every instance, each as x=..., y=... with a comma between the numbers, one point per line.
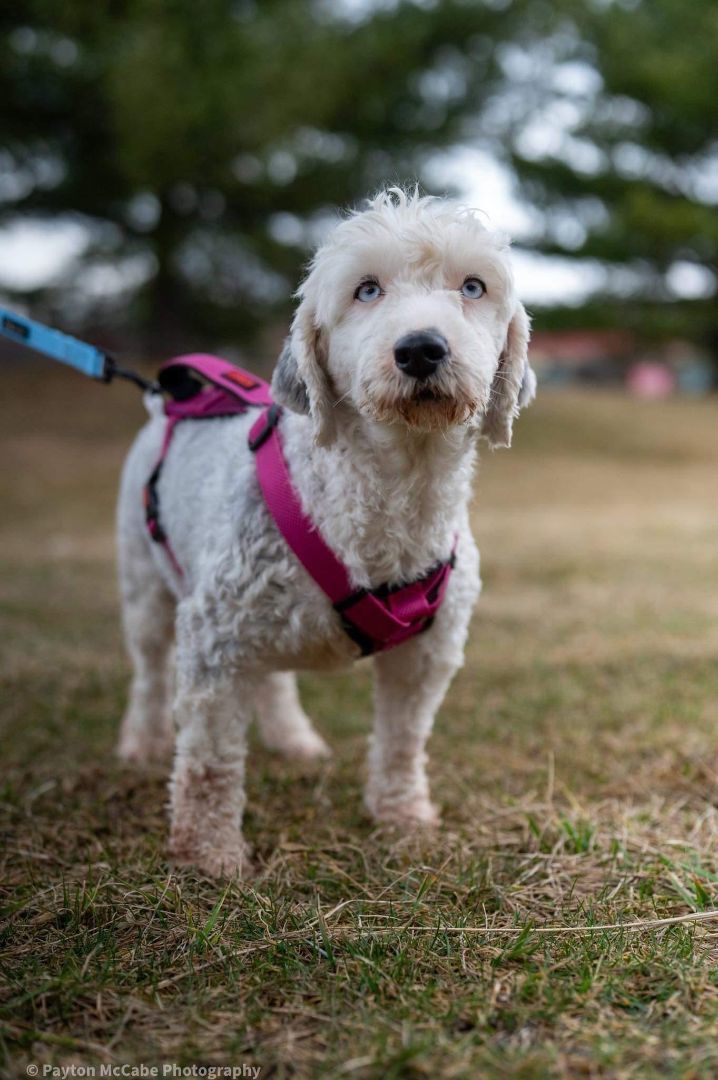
x=111, y=370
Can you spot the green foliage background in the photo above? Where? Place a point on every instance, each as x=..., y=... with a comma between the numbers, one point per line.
x=204, y=144
x=645, y=189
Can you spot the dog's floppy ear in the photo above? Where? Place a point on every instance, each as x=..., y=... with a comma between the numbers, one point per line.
x=288, y=388
x=299, y=380
x=514, y=383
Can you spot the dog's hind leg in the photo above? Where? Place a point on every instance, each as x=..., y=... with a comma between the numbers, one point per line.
x=283, y=724
x=148, y=610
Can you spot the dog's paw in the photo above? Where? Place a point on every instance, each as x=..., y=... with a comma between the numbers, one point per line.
x=309, y=746
x=135, y=750
x=418, y=812
x=295, y=738
x=215, y=862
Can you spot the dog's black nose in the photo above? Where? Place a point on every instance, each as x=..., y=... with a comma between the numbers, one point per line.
x=419, y=354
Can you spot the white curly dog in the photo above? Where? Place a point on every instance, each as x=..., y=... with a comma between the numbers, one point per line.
x=407, y=344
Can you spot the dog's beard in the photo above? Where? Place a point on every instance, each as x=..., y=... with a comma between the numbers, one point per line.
x=423, y=413
x=438, y=403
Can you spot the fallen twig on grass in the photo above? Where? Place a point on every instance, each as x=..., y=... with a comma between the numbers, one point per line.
x=336, y=932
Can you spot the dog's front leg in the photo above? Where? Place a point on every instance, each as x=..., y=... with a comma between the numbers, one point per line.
x=207, y=787
x=410, y=682
x=213, y=709
x=409, y=686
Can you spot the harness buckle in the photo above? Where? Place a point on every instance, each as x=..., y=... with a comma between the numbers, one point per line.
x=268, y=421
x=152, y=508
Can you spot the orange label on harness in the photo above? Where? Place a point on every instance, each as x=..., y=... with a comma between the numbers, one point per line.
x=242, y=379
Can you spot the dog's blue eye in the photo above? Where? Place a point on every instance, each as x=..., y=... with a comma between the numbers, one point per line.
x=368, y=291
x=473, y=288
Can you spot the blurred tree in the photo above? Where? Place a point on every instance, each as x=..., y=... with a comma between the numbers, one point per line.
x=628, y=175
x=201, y=143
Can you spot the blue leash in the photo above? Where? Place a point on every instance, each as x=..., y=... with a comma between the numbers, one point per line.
x=68, y=350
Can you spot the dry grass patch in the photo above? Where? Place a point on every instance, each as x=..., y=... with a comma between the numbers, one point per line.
x=576, y=759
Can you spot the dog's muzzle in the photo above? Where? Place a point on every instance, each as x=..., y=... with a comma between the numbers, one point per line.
x=420, y=353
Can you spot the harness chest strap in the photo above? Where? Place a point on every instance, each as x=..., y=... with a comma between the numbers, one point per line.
x=375, y=619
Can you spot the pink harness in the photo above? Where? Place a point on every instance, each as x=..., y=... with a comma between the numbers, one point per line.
x=204, y=387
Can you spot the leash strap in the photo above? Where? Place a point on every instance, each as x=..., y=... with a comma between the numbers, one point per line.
x=68, y=350
x=62, y=347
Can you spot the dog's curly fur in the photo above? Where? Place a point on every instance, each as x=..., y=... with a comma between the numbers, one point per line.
x=384, y=472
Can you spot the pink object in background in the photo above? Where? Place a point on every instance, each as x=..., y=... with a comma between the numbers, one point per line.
x=650, y=379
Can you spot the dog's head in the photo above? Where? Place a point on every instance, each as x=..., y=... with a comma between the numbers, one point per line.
x=408, y=315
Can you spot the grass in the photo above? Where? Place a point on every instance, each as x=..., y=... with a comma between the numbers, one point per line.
x=575, y=758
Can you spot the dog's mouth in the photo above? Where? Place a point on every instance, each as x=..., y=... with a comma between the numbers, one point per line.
x=432, y=404
x=427, y=409
x=430, y=394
